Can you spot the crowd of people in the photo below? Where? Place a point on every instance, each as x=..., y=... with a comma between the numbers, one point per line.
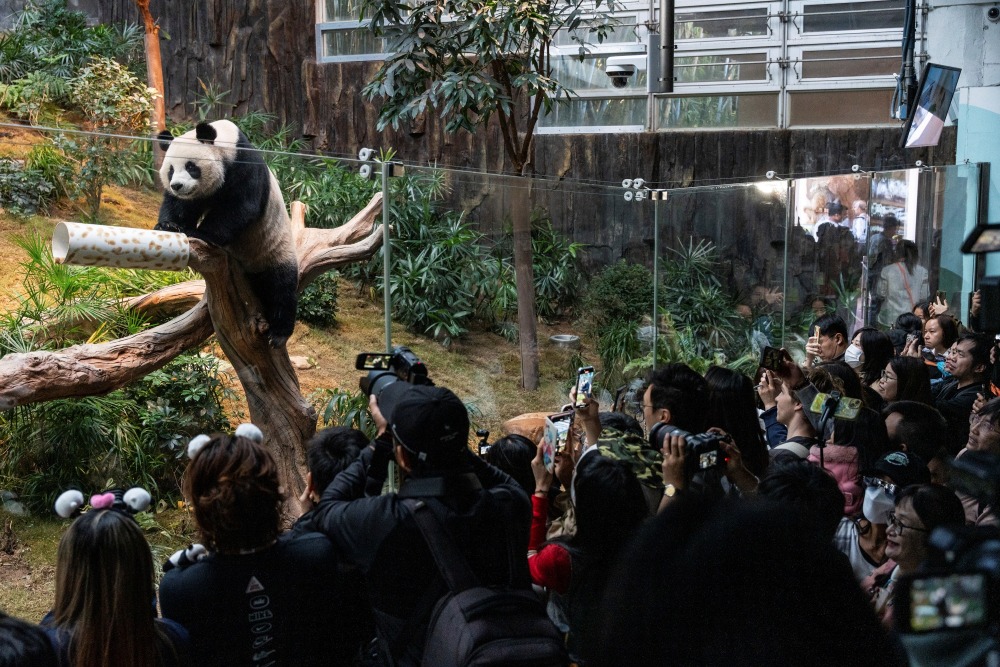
x=734, y=524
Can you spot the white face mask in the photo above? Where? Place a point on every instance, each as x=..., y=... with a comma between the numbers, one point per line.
x=854, y=356
x=878, y=503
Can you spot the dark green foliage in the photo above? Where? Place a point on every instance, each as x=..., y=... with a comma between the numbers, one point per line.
x=620, y=292
x=556, y=268
x=50, y=39
x=132, y=437
x=333, y=192
x=23, y=190
x=617, y=344
x=344, y=408
x=691, y=293
x=699, y=324
x=318, y=301
x=444, y=276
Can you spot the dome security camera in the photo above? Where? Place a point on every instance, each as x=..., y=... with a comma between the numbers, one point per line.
x=621, y=69
x=620, y=74
x=993, y=14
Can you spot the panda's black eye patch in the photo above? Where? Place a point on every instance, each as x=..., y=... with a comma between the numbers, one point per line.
x=170, y=172
x=193, y=169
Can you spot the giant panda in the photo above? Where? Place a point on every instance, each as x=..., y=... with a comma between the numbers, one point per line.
x=217, y=188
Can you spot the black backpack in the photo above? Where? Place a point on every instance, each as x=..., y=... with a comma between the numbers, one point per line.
x=475, y=625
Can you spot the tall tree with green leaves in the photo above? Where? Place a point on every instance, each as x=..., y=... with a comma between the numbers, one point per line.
x=468, y=60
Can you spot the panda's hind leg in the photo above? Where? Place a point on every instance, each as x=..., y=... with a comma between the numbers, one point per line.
x=277, y=291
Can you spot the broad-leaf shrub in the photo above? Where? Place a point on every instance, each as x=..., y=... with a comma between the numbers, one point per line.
x=318, y=301
x=620, y=292
x=23, y=190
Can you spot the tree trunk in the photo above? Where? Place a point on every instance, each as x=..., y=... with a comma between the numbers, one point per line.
x=154, y=76
x=527, y=323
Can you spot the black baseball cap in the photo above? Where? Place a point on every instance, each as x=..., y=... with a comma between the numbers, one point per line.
x=903, y=468
x=430, y=422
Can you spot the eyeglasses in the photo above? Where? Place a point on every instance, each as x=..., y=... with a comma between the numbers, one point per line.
x=899, y=526
x=888, y=378
x=889, y=487
x=975, y=419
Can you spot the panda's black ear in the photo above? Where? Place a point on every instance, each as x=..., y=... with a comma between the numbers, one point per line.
x=163, y=139
x=205, y=133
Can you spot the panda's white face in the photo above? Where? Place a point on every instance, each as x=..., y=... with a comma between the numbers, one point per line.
x=195, y=169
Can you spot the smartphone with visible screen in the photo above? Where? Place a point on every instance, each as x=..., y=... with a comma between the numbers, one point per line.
x=772, y=359
x=555, y=438
x=584, y=384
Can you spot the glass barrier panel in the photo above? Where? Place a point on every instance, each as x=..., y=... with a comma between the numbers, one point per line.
x=722, y=289
x=591, y=74
x=341, y=10
x=623, y=32
x=714, y=24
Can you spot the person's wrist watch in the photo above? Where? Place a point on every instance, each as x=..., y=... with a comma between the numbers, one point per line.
x=670, y=490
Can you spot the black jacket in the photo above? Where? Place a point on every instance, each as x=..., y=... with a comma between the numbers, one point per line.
x=955, y=405
x=485, y=510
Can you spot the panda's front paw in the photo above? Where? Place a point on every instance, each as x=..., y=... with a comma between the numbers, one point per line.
x=277, y=342
x=165, y=226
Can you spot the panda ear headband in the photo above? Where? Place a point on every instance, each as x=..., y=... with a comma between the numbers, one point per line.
x=131, y=502
x=248, y=430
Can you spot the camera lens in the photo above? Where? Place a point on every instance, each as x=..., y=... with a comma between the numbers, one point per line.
x=993, y=14
x=619, y=81
x=373, y=383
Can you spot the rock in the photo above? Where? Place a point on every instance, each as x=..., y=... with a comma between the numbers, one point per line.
x=302, y=363
x=7, y=495
x=15, y=508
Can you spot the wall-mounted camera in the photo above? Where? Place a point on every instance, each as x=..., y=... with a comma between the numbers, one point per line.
x=993, y=14
x=621, y=69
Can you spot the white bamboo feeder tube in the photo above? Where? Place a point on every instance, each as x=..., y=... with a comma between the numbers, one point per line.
x=119, y=247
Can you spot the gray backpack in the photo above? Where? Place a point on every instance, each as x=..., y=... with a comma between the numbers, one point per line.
x=475, y=625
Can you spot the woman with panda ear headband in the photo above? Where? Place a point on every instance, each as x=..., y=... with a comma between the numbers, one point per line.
x=104, y=612
x=257, y=597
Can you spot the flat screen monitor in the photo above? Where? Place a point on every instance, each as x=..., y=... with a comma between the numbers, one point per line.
x=925, y=121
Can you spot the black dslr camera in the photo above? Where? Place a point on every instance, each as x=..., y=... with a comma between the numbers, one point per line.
x=386, y=369
x=704, y=451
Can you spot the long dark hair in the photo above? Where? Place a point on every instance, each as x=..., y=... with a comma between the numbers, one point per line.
x=733, y=408
x=104, y=592
x=909, y=255
x=913, y=380
x=609, y=505
x=513, y=454
x=878, y=350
